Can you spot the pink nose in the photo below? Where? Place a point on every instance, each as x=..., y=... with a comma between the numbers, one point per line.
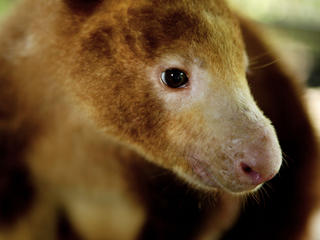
x=253, y=176
x=260, y=158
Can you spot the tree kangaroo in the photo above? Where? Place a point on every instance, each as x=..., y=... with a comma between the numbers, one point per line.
x=144, y=119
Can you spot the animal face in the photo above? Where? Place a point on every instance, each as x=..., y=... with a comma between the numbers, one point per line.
x=168, y=78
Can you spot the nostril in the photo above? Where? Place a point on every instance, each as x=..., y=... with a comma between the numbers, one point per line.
x=255, y=177
x=246, y=168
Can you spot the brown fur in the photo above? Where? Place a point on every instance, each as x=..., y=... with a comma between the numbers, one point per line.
x=85, y=131
x=16, y=190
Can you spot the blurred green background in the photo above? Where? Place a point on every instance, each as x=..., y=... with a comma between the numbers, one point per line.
x=300, y=18
x=294, y=27
x=4, y=5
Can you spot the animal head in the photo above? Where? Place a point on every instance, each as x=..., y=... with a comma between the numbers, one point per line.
x=168, y=79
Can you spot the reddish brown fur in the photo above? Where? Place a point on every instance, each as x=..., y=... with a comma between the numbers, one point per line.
x=16, y=190
x=81, y=111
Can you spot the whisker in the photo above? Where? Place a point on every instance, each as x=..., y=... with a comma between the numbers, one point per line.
x=269, y=186
x=245, y=201
x=285, y=162
x=285, y=159
x=263, y=65
x=256, y=197
x=261, y=55
x=264, y=194
x=159, y=175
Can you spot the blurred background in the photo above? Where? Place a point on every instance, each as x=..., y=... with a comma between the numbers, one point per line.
x=294, y=28
x=4, y=4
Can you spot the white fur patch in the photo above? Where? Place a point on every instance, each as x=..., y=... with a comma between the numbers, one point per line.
x=179, y=99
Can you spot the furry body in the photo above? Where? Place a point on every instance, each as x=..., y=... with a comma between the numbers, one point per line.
x=94, y=149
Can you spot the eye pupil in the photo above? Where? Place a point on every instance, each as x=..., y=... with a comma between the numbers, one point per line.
x=174, y=78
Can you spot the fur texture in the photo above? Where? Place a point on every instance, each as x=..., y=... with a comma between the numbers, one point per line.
x=98, y=148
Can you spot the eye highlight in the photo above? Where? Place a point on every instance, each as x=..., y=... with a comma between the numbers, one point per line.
x=174, y=78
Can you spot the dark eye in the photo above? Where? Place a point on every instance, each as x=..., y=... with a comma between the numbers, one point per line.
x=174, y=78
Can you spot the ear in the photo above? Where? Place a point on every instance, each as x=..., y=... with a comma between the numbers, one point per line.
x=86, y=7
x=284, y=211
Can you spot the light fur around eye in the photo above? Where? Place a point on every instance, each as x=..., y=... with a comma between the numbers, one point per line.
x=174, y=78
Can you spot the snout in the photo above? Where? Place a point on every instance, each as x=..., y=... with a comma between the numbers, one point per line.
x=243, y=162
x=256, y=158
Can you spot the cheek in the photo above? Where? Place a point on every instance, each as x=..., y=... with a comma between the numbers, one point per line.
x=230, y=144
x=190, y=128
